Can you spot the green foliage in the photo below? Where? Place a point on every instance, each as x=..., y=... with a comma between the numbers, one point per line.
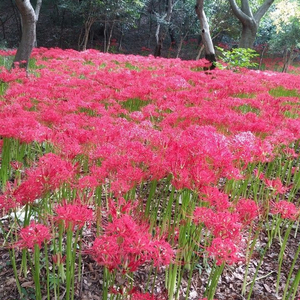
x=288, y=37
x=237, y=58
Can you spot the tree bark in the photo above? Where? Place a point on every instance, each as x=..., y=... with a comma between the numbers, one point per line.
x=205, y=34
x=249, y=21
x=29, y=17
x=288, y=59
x=160, y=36
x=87, y=28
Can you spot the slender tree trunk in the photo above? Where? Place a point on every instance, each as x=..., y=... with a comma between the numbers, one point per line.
x=121, y=39
x=110, y=36
x=200, y=52
x=29, y=17
x=205, y=33
x=104, y=34
x=182, y=38
x=288, y=59
x=160, y=35
x=265, y=48
x=157, y=51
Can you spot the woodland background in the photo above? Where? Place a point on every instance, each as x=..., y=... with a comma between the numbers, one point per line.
x=133, y=26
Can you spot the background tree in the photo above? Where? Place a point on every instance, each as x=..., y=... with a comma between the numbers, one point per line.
x=205, y=33
x=249, y=20
x=184, y=24
x=286, y=38
x=29, y=18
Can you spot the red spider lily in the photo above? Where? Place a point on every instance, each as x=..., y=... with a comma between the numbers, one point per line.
x=286, y=210
x=276, y=185
x=223, y=251
x=49, y=174
x=258, y=175
x=34, y=234
x=142, y=296
x=216, y=199
x=248, y=148
x=7, y=201
x=126, y=245
x=122, y=207
x=221, y=224
x=73, y=215
x=134, y=294
x=247, y=211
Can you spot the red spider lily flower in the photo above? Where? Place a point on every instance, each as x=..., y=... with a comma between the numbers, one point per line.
x=142, y=296
x=34, y=234
x=203, y=215
x=49, y=174
x=7, y=201
x=58, y=258
x=259, y=175
x=73, y=215
x=121, y=207
x=215, y=198
x=222, y=224
x=276, y=185
x=286, y=210
x=127, y=245
x=247, y=211
x=223, y=251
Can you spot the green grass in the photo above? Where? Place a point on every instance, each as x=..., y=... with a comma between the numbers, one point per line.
x=283, y=92
x=134, y=104
x=3, y=87
x=245, y=108
x=6, y=61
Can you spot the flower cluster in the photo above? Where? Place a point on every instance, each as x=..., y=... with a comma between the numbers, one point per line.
x=73, y=215
x=34, y=234
x=116, y=122
x=126, y=245
x=286, y=210
x=224, y=251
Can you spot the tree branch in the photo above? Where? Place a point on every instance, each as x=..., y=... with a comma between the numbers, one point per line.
x=246, y=8
x=37, y=9
x=239, y=13
x=262, y=10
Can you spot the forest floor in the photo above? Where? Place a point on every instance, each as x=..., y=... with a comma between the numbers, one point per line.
x=229, y=286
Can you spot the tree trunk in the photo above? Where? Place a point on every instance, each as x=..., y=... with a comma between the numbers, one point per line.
x=160, y=35
x=205, y=34
x=87, y=28
x=110, y=36
x=249, y=21
x=29, y=18
x=248, y=35
x=265, y=48
x=288, y=59
x=182, y=38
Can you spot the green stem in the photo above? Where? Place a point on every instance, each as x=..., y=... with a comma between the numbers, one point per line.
x=69, y=259
x=47, y=271
x=290, y=275
x=38, y=293
x=13, y=262
x=257, y=269
x=281, y=254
